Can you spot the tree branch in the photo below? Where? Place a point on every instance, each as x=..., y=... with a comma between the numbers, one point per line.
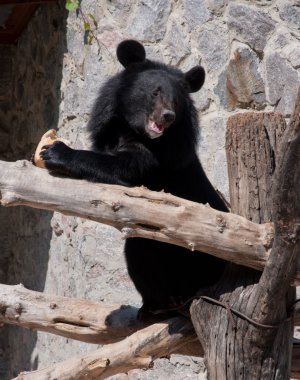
x=138, y=212
x=78, y=319
x=137, y=351
x=98, y=323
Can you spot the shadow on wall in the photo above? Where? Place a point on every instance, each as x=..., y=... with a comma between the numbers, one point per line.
x=30, y=77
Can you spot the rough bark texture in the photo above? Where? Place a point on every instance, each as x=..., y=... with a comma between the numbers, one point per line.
x=253, y=142
x=89, y=321
x=238, y=349
x=137, y=351
x=79, y=319
x=140, y=212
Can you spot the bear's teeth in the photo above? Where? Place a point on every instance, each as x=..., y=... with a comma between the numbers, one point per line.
x=158, y=128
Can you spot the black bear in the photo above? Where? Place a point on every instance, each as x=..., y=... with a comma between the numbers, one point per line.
x=144, y=131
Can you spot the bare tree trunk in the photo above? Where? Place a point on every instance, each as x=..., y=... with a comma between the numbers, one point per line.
x=234, y=347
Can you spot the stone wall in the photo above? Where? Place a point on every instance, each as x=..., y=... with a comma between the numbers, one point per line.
x=251, y=53
x=30, y=79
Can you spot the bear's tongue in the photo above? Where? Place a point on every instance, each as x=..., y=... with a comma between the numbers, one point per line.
x=157, y=128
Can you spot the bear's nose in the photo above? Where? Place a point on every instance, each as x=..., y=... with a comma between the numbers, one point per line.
x=168, y=116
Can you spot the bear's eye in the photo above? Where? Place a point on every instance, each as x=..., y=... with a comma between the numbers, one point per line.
x=155, y=93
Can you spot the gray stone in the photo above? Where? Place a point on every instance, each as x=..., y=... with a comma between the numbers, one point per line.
x=282, y=83
x=212, y=151
x=119, y=8
x=217, y=7
x=191, y=60
x=250, y=25
x=163, y=369
x=290, y=11
x=213, y=46
x=262, y=3
x=75, y=37
x=175, y=45
x=294, y=58
x=202, y=99
x=241, y=85
x=196, y=13
x=280, y=40
x=155, y=53
x=292, y=53
x=149, y=21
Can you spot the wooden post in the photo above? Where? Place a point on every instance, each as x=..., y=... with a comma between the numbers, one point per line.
x=234, y=347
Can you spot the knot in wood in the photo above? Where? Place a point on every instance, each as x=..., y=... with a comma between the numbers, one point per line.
x=96, y=202
x=221, y=223
x=116, y=206
x=18, y=308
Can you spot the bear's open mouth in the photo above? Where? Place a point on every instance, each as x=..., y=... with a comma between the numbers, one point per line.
x=156, y=127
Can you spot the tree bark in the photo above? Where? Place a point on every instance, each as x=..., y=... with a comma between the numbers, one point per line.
x=80, y=319
x=235, y=348
x=92, y=322
x=140, y=212
x=137, y=351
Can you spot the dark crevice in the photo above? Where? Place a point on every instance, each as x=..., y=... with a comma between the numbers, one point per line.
x=271, y=151
x=148, y=227
x=151, y=200
x=78, y=324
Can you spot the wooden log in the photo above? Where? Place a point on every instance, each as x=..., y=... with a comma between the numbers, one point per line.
x=253, y=142
x=80, y=319
x=138, y=212
x=88, y=321
x=137, y=351
x=237, y=348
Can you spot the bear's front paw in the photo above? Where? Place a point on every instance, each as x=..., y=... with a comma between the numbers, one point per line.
x=56, y=156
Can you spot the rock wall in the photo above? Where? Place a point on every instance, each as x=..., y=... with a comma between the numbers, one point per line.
x=30, y=79
x=251, y=53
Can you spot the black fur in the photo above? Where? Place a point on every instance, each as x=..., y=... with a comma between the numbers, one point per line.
x=144, y=131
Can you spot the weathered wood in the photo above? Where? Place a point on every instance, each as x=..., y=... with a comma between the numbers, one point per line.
x=80, y=319
x=252, y=152
x=88, y=321
x=241, y=350
x=140, y=212
x=137, y=351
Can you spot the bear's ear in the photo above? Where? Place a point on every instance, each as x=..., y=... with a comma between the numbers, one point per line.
x=129, y=52
x=195, y=78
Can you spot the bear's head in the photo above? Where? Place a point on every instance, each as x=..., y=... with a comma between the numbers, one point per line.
x=154, y=97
